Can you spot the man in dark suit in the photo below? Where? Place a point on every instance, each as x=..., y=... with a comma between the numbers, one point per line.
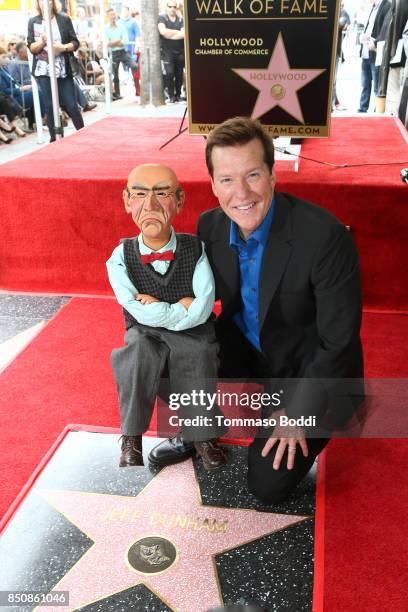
x=287, y=275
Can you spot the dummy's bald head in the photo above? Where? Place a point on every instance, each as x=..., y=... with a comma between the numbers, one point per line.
x=153, y=176
x=153, y=197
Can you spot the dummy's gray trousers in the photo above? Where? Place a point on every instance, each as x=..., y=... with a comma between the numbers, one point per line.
x=188, y=359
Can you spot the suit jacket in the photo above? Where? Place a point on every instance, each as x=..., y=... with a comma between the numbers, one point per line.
x=67, y=36
x=379, y=26
x=309, y=303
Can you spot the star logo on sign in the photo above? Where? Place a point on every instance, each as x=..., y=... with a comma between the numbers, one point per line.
x=163, y=538
x=278, y=84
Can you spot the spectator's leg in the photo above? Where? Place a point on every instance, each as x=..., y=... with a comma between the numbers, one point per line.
x=375, y=72
x=26, y=101
x=6, y=108
x=66, y=92
x=334, y=97
x=80, y=96
x=136, y=74
x=137, y=368
x=178, y=72
x=365, y=85
x=273, y=486
x=393, y=91
x=42, y=102
x=131, y=65
x=168, y=73
x=115, y=70
x=45, y=87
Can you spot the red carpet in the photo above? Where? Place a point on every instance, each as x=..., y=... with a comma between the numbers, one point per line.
x=72, y=210
x=366, y=528
x=64, y=377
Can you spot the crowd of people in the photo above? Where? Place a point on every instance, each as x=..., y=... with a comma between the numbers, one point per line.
x=379, y=30
x=78, y=50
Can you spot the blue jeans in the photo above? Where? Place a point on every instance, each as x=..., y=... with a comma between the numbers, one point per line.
x=26, y=101
x=80, y=96
x=369, y=78
x=66, y=94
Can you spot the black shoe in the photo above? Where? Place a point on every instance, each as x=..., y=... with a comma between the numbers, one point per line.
x=171, y=451
x=88, y=107
x=117, y=97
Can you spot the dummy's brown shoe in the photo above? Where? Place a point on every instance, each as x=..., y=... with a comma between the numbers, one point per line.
x=131, y=451
x=212, y=455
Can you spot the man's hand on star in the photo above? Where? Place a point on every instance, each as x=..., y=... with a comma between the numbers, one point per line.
x=285, y=437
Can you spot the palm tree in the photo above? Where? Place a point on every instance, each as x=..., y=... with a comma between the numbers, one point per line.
x=151, y=89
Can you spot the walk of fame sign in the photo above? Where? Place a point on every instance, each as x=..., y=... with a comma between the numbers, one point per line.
x=271, y=60
x=149, y=532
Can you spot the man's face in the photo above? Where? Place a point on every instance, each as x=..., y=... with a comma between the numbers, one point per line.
x=112, y=17
x=151, y=199
x=171, y=8
x=243, y=184
x=22, y=54
x=125, y=12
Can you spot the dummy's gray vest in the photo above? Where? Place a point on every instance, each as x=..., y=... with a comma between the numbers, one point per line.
x=170, y=287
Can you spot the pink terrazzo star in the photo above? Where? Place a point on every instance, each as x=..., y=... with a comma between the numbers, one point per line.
x=169, y=507
x=278, y=84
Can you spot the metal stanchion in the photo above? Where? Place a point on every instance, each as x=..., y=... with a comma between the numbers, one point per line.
x=105, y=61
x=53, y=78
x=37, y=111
x=36, y=101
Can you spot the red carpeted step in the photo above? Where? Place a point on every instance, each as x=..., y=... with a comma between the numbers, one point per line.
x=72, y=195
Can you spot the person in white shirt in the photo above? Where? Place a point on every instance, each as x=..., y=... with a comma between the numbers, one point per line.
x=117, y=38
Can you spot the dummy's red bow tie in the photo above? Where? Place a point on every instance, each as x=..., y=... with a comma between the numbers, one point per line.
x=165, y=256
